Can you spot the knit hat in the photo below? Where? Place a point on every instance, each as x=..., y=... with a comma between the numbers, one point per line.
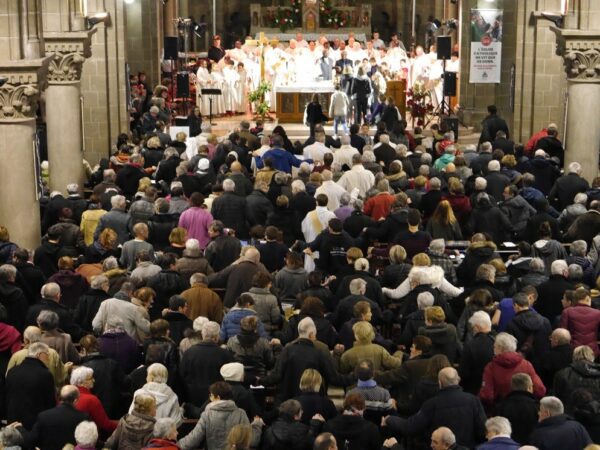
x=232, y=371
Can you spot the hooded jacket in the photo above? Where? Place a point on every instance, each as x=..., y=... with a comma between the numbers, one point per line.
x=231, y=323
x=444, y=340
x=518, y=211
x=489, y=219
x=167, y=403
x=532, y=331
x=288, y=433
x=290, y=282
x=498, y=373
x=477, y=253
x=549, y=251
x=583, y=322
x=133, y=432
x=580, y=374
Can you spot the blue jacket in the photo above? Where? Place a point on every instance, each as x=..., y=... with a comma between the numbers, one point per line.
x=282, y=160
x=231, y=323
x=500, y=443
x=559, y=432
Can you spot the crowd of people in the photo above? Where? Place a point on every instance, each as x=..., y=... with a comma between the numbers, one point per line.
x=219, y=291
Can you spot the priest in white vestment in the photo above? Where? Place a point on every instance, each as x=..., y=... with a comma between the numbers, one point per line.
x=313, y=224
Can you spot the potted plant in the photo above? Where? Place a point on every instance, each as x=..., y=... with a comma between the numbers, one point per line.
x=258, y=99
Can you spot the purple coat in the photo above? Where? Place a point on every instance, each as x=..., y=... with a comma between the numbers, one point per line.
x=121, y=347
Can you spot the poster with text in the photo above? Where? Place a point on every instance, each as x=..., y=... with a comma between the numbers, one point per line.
x=486, y=45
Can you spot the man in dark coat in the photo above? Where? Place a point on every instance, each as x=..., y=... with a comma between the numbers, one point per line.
x=51, y=301
x=230, y=209
x=12, y=297
x=496, y=181
x=488, y=218
x=117, y=219
x=586, y=226
x=258, y=205
x=520, y=407
x=491, y=125
x=551, y=145
x=129, y=176
x=503, y=143
x=479, y=251
x=385, y=153
x=288, y=431
x=223, y=248
x=566, y=187
x=30, y=387
x=46, y=255
x=201, y=364
x=477, y=352
x=557, y=430
x=550, y=293
x=178, y=321
x=30, y=277
x=55, y=427
x=463, y=413
x=544, y=170
x=559, y=356
x=89, y=302
x=298, y=356
x=272, y=252
x=166, y=283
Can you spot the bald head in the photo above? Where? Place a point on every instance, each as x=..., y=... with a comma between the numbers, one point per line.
x=448, y=376
x=442, y=438
x=69, y=394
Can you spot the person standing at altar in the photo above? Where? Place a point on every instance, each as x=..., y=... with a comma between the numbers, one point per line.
x=326, y=64
x=420, y=67
x=345, y=65
x=217, y=82
x=237, y=53
x=242, y=89
x=300, y=41
x=338, y=109
x=216, y=52
x=230, y=87
x=313, y=53
x=361, y=89
x=203, y=81
x=314, y=114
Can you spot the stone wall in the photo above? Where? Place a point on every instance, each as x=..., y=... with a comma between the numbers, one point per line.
x=103, y=83
x=144, y=39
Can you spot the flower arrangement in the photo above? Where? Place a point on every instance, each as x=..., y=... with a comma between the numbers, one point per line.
x=332, y=17
x=286, y=17
x=419, y=103
x=257, y=98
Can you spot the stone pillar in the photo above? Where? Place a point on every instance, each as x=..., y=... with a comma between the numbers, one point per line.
x=580, y=50
x=170, y=15
x=19, y=196
x=63, y=106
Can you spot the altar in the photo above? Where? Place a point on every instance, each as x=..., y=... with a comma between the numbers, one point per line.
x=292, y=99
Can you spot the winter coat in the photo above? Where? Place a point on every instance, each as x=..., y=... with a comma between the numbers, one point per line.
x=518, y=211
x=585, y=227
x=559, y=432
x=532, y=331
x=202, y=301
x=121, y=347
x=214, y=425
x=258, y=208
x=65, y=318
x=496, y=182
x=569, y=214
x=15, y=303
x=565, y=188
x=54, y=428
x=72, y=286
x=580, y=374
x=266, y=307
x=545, y=171
x=500, y=443
x=46, y=257
x=236, y=278
x=128, y=178
x=498, y=373
x=167, y=403
x=160, y=227
x=166, y=284
x=452, y=408
x=521, y=409
x=133, y=321
x=62, y=343
x=583, y=322
x=133, y=432
x=192, y=262
x=486, y=218
x=444, y=340
x=90, y=404
x=355, y=431
x=326, y=332
x=550, y=295
x=110, y=381
x=360, y=351
x=288, y=433
x=231, y=323
x=253, y=351
x=200, y=367
x=476, y=354
x=316, y=403
x=549, y=251
x=230, y=209
x=289, y=282
x=477, y=253
x=221, y=251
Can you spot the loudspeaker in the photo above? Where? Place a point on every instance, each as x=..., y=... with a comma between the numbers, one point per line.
x=183, y=84
x=443, y=47
x=449, y=84
x=450, y=123
x=170, y=45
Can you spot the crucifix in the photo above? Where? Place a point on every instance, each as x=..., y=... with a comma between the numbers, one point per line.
x=260, y=43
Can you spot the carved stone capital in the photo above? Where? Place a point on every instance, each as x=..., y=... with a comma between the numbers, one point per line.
x=68, y=51
x=580, y=50
x=26, y=79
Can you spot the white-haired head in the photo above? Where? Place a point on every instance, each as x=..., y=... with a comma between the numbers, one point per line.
x=210, y=331
x=228, y=185
x=480, y=184
x=86, y=434
x=498, y=426
x=425, y=300
x=505, y=343
x=307, y=329
x=298, y=186
x=480, y=322
x=494, y=166
x=574, y=167
x=81, y=375
x=559, y=267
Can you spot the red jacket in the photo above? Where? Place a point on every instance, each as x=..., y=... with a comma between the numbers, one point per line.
x=379, y=205
x=161, y=444
x=583, y=322
x=461, y=206
x=498, y=373
x=533, y=140
x=90, y=404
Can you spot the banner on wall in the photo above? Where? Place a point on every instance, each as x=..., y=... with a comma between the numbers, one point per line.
x=486, y=45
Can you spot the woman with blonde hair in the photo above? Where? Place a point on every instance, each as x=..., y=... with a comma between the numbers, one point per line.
x=364, y=348
x=239, y=438
x=312, y=399
x=135, y=429
x=396, y=272
x=106, y=245
x=443, y=223
x=177, y=240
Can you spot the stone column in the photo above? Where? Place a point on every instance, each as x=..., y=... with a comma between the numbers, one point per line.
x=19, y=196
x=580, y=50
x=68, y=52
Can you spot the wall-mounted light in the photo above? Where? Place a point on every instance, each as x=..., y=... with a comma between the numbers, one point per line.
x=99, y=17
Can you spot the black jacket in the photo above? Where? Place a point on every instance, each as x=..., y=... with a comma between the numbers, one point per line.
x=294, y=359
x=444, y=340
x=490, y=126
x=258, y=208
x=564, y=190
x=160, y=227
x=545, y=172
x=345, y=310
x=128, y=179
x=166, y=284
x=29, y=391
x=496, y=182
x=521, y=409
x=230, y=209
x=316, y=403
x=109, y=382
x=477, y=253
x=354, y=431
x=556, y=359
x=559, y=432
x=532, y=331
x=55, y=428
x=272, y=255
x=553, y=147
x=200, y=366
x=15, y=303
x=30, y=279
x=178, y=324
x=287, y=433
x=314, y=113
x=356, y=221
x=463, y=413
x=46, y=257
x=476, y=354
x=550, y=295
x=580, y=374
x=222, y=251
x=385, y=153
x=65, y=317
x=87, y=307
x=284, y=219
x=167, y=169
x=486, y=218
